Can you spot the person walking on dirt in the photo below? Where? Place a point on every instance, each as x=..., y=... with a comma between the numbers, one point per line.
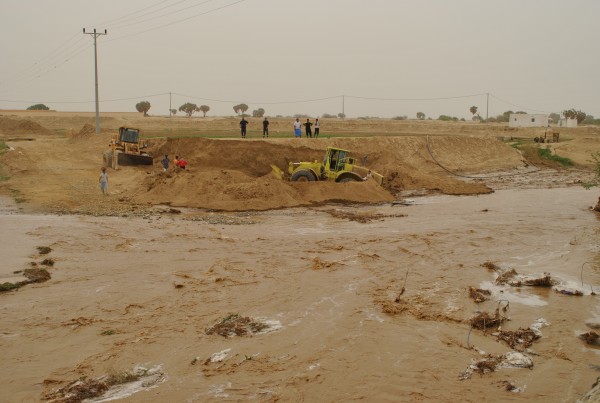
x=243, y=124
x=265, y=128
x=165, y=163
x=103, y=181
x=308, y=126
x=297, y=128
x=317, y=127
x=176, y=161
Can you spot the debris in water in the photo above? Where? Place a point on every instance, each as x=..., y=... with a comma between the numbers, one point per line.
x=565, y=290
x=110, y=387
x=485, y=320
x=491, y=266
x=44, y=250
x=505, y=276
x=590, y=338
x=236, y=325
x=518, y=339
x=48, y=262
x=510, y=387
x=493, y=363
x=479, y=295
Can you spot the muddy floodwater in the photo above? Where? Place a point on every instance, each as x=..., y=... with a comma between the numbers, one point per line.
x=326, y=285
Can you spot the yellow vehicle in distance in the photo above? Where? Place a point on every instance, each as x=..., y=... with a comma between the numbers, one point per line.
x=337, y=166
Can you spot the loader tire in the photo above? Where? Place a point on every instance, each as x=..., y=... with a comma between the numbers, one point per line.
x=303, y=176
x=349, y=179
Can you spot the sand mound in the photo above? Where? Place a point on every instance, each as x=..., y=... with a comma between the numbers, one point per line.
x=86, y=130
x=236, y=174
x=10, y=126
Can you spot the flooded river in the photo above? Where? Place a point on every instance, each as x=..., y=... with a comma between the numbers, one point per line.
x=131, y=291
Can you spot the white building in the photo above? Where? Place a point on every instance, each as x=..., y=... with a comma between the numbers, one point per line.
x=528, y=120
x=567, y=122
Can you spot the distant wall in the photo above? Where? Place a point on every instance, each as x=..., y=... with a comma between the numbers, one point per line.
x=528, y=120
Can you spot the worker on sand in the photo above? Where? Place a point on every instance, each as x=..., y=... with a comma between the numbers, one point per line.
x=182, y=163
x=103, y=181
x=165, y=163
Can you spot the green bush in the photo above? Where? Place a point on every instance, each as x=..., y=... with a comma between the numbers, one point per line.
x=547, y=154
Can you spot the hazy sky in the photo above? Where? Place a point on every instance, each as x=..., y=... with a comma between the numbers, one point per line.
x=532, y=55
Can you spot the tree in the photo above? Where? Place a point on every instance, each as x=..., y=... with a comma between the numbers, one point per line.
x=189, y=108
x=204, y=109
x=575, y=114
x=38, y=107
x=258, y=113
x=341, y=115
x=236, y=109
x=420, y=115
x=473, y=110
x=173, y=111
x=243, y=108
x=554, y=118
x=143, y=106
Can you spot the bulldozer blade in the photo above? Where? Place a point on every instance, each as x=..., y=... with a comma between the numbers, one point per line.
x=276, y=171
x=134, y=159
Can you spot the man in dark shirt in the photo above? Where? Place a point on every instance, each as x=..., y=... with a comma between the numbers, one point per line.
x=308, y=130
x=243, y=124
x=265, y=128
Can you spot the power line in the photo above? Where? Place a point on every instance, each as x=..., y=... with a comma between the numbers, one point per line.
x=109, y=22
x=260, y=102
x=517, y=106
x=177, y=21
x=415, y=99
x=123, y=24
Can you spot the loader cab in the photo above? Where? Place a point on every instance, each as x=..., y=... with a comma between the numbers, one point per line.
x=128, y=135
x=336, y=159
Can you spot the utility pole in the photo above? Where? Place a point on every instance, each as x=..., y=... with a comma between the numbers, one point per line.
x=487, y=107
x=170, y=113
x=344, y=105
x=96, y=35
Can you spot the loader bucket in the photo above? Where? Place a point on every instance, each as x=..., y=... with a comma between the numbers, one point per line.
x=134, y=159
x=276, y=171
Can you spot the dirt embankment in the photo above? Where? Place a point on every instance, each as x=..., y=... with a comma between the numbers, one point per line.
x=61, y=173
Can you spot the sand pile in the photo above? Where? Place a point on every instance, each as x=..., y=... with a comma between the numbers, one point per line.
x=86, y=131
x=10, y=126
x=236, y=174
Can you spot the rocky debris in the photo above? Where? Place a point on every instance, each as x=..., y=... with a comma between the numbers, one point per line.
x=491, y=266
x=517, y=339
x=566, y=290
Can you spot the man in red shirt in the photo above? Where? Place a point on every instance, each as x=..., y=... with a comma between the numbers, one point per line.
x=182, y=163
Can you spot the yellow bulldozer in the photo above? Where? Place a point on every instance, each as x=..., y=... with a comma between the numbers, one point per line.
x=337, y=166
x=126, y=148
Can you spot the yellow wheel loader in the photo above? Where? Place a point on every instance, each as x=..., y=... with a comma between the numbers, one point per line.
x=337, y=166
x=126, y=149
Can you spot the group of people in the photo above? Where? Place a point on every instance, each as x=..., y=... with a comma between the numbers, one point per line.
x=178, y=162
x=297, y=128
x=308, y=128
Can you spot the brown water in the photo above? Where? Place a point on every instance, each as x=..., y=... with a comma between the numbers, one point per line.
x=322, y=283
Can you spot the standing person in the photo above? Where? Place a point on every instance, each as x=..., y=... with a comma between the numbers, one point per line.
x=265, y=127
x=297, y=128
x=165, y=163
x=243, y=124
x=317, y=127
x=308, y=130
x=176, y=161
x=103, y=181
